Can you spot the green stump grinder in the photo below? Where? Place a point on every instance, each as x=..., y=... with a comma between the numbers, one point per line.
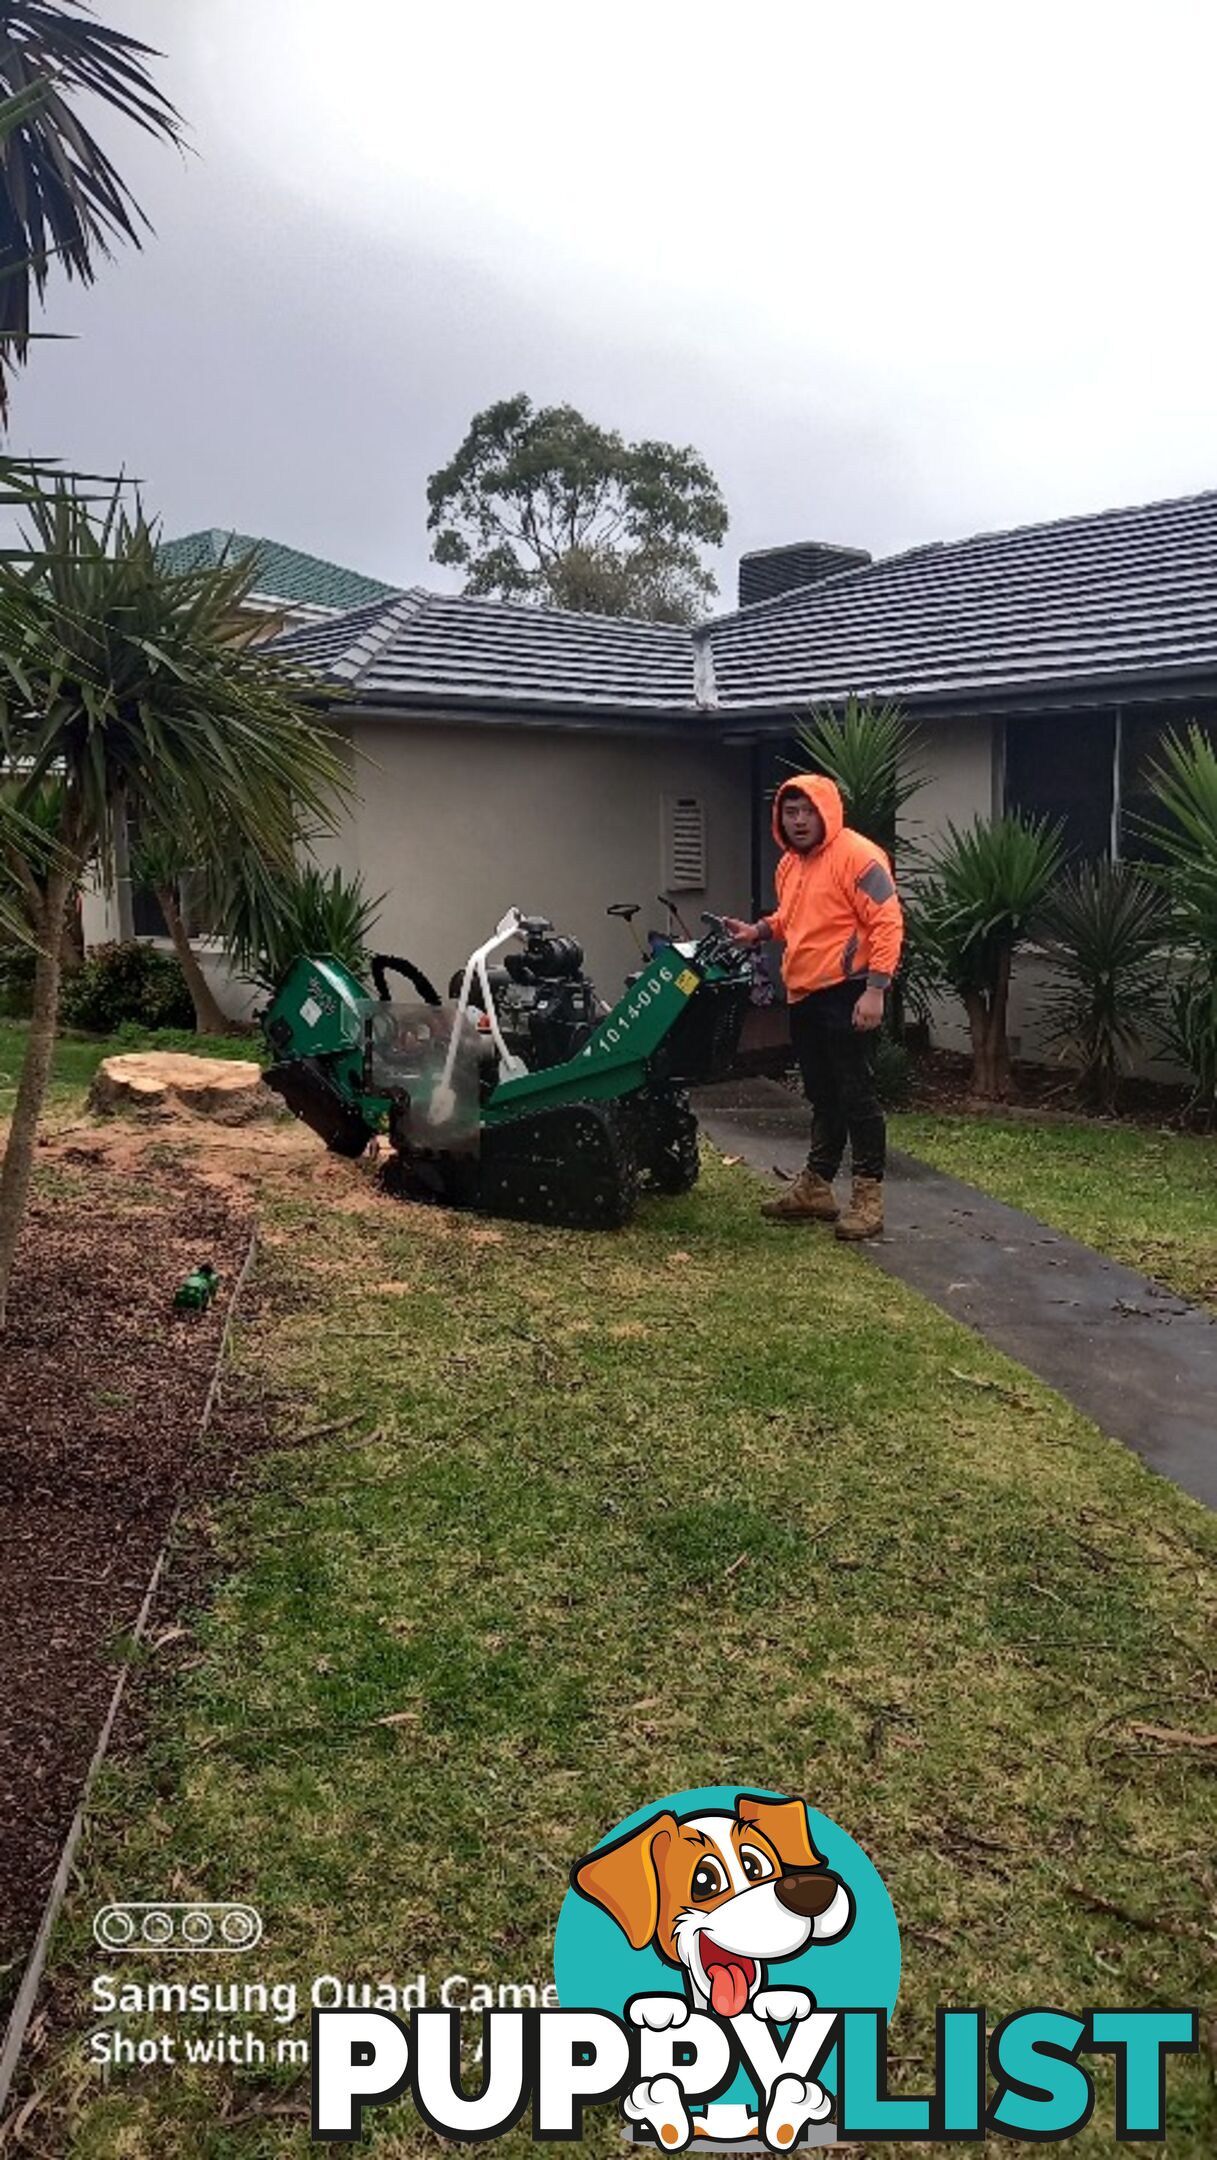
x=523, y=1095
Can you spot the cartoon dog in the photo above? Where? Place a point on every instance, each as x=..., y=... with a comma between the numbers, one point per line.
x=721, y=1896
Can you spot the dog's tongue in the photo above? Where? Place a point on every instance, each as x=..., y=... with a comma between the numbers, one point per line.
x=728, y=1990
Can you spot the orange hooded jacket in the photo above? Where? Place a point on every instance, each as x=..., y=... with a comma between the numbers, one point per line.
x=838, y=913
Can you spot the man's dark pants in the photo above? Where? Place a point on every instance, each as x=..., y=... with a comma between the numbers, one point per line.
x=837, y=1062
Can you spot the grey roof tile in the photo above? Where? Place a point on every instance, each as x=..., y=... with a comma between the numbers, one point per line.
x=1116, y=597
x=444, y=649
x=341, y=647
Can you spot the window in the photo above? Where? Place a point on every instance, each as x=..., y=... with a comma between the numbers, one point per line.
x=1092, y=771
x=147, y=915
x=684, y=844
x=1142, y=736
x=1062, y=766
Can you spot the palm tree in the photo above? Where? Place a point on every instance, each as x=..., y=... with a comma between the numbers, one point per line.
x=985, y=895
x=164, y=858
x=61, y=199
x=137, y=691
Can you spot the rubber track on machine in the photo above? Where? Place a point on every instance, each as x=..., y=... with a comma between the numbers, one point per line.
x=573, y=1166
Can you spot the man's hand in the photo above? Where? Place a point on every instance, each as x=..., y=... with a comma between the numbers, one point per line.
x=744, y=933
x=868, y=1012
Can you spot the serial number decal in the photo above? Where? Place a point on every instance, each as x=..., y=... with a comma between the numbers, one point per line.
x=644, y=995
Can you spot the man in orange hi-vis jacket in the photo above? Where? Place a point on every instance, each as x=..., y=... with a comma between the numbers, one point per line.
x=839, y=918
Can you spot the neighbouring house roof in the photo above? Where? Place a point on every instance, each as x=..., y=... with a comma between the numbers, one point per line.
x=284, y=573
x=1121, y=600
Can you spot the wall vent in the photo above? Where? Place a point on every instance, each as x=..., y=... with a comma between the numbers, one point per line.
x=684, y=844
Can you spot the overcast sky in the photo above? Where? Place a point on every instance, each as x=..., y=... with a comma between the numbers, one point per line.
x=900, y=272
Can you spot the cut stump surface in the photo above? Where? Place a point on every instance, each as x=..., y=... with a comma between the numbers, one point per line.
x=166, y=1083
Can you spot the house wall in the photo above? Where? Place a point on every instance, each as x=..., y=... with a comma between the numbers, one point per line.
x=459, y=823
x=960, y=760
x=100, y=924
x=963, y=761
x=454, y=824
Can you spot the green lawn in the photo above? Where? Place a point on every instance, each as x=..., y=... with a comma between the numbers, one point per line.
x=1148, y=1198
x=77, y=1058
x=609, y=1517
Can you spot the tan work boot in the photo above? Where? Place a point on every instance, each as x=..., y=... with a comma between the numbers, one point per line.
x=810, y=1199
x=864, y=1215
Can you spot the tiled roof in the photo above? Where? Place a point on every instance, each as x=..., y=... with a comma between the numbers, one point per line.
x=284, y=573
x=440, y=649
x=342, y=647
x=1083, y=604
x=1085, y=600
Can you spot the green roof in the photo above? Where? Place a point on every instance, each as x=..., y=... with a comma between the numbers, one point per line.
x=284, y=573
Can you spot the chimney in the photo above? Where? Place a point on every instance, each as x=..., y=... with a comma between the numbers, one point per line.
x=770, y=571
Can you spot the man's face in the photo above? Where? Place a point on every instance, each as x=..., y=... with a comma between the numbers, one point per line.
x=802, y=824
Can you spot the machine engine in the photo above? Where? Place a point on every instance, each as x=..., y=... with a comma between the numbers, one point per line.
x=546, y=1005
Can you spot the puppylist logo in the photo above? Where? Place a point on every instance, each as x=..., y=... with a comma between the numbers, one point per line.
x=726, y=1964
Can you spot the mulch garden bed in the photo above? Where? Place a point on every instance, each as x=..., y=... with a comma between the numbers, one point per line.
x=942, y=1082
x=102, y=1389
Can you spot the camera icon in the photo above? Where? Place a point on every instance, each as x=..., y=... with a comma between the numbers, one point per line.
x=173, y=1928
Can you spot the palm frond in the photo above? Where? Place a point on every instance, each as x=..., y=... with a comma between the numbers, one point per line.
x=986, y=892
x=62, y=200
x=1106, y=926
x=133, y=684
x=871, y=752
x=1184, y=781
x=268, y=918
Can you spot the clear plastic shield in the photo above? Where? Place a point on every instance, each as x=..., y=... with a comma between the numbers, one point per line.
x=428, y=1062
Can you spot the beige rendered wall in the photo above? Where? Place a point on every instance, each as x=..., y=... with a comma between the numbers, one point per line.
x=959, y=758
x=459, y=823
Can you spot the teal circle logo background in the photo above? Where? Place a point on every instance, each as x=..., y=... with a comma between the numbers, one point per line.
x=596, y=1969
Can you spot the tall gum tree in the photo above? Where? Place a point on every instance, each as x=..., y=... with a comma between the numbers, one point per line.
x=543, y=505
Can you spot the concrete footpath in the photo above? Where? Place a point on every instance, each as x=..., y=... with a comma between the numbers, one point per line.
x=1137, y=1359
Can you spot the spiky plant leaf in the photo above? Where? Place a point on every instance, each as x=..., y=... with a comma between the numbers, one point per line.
x=1107, y=926
x=871, y=752
x=986, y=892
x=268, y=918
x=1184, y=781
x=134, y=684
x=61, y=198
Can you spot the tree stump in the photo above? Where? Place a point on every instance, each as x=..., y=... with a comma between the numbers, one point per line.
x=167, y=1083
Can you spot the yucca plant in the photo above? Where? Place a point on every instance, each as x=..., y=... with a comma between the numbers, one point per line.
x=920, y=973
x=870, y=751
x=267, y=917
x=26, y=852
x=133, y=687
x=1106, y=926
x=163, y=858
x=984, y=895
x=1184, y=781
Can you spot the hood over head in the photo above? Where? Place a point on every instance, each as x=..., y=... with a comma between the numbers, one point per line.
x=824, y=796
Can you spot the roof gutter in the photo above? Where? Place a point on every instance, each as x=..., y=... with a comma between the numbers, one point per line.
x=736, y=726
